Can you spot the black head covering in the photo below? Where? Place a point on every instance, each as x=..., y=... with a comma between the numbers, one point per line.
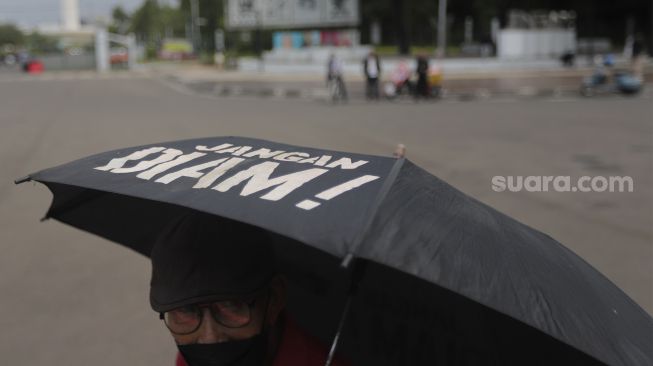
x=200, y=258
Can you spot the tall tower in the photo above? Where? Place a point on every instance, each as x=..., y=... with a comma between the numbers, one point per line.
x=70, y=15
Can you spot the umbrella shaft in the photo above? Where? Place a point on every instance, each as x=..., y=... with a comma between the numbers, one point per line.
x=334, y=345
x=358, y=268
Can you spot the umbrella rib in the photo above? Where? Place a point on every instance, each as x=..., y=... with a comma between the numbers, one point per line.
x=383, y=192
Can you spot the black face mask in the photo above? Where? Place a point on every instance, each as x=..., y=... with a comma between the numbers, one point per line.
x=247, y=352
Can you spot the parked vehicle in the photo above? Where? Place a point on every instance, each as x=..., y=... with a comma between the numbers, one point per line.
x=33, y=67
x=118, y=55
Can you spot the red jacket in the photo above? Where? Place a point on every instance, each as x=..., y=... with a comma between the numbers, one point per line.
x=297, y=348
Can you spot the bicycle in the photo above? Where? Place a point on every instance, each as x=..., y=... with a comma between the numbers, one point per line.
x=337, y=90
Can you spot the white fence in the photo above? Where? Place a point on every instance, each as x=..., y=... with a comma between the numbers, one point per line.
x=63, y=61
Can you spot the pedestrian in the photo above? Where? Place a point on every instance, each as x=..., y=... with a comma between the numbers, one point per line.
x=637, y=57
x=422, y=77
x=215, y=286
x=372, y=69
x=568, y=58
x=335, y=81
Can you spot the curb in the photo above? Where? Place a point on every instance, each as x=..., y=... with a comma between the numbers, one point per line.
x=218, y=89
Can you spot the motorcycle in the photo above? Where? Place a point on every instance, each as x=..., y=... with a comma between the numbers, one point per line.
x=403, y=82
x=599, y=84
x=400, y=82
x=605, y=80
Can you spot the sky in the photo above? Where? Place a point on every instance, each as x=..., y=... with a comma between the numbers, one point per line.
x=30, y=13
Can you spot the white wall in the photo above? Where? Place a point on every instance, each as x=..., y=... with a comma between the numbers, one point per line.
x=535, y=43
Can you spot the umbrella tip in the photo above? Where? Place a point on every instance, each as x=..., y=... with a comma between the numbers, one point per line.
x=400, y=151
x=45, y=218
x=348, y=258
x=23, y=180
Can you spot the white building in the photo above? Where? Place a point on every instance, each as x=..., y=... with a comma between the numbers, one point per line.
x=70, y=28
x=70, y=21
x=537, y=35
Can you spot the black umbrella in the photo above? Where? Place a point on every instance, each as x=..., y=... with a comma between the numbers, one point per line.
x=428, y=275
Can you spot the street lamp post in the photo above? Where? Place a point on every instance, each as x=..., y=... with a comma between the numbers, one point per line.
x=194, y=24
x=442, y=28
x=258, y=47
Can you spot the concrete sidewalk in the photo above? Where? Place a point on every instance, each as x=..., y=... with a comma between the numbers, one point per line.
x=195, y=72
x=536, y=81
x=453, y=68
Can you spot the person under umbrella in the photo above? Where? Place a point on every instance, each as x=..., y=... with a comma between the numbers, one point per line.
x=403, y=268
x=216, y=288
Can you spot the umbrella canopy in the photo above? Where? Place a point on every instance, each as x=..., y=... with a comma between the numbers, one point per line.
x=439, y=277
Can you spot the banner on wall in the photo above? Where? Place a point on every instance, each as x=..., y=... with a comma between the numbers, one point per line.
x=297, y=40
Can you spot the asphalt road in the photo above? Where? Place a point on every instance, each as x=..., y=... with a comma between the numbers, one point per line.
x=69, y=298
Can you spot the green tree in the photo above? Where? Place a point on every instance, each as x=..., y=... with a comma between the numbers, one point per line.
x=120, y=20
x=10, y=34
x=146, y=22
x=173, y=22
x=38, y=43
x=212, y=14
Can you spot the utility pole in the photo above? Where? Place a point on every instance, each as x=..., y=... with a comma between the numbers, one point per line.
x=258, y=46
x=442, y=29
x=650, y=23
x=194, y=25
x=399, y=8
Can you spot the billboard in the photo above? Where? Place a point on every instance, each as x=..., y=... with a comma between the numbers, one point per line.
x=250, y=14
x=302, y=39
